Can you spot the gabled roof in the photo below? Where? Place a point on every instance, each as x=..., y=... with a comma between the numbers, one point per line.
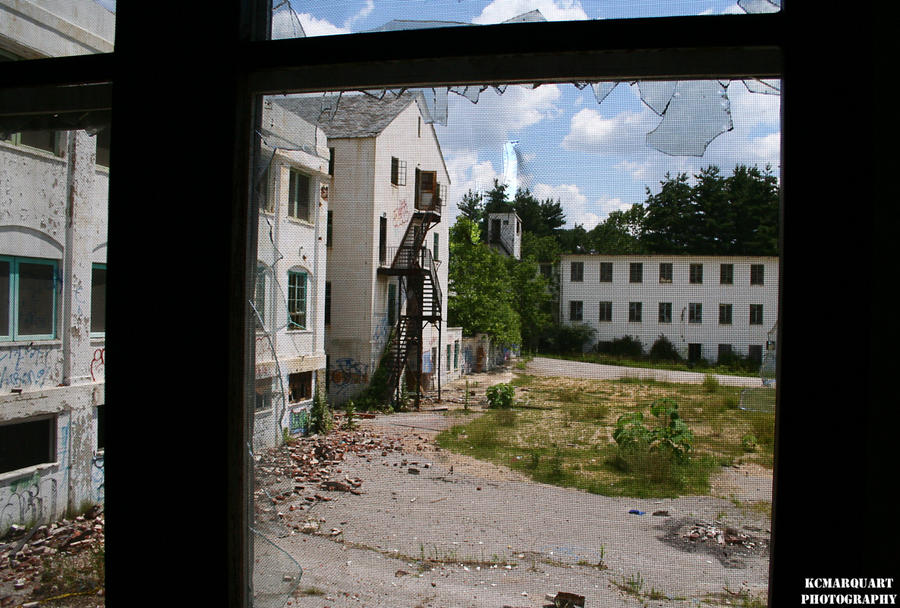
x=357, y=115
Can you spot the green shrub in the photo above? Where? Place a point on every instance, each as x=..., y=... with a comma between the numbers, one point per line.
x=671, y=435
x=566, y=338
x=626, y=346
x=663, y=350
x=500, y=395
x=320, y=418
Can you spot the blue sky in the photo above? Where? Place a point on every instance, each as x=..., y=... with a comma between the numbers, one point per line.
x=591, y=156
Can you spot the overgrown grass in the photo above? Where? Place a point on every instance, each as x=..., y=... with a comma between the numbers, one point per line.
x=564, y=435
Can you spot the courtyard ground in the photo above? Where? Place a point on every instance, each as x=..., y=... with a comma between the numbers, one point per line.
x=381, y=516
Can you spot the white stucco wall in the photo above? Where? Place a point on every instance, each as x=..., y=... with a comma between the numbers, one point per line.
x=51, y=28
x=680, y=292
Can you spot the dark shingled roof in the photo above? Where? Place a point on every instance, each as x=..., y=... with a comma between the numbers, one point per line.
x=358, y=114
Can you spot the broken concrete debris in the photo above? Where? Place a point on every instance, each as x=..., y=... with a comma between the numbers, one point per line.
x=703, y=532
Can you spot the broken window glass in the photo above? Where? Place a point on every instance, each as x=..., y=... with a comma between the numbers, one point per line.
x=295, y=19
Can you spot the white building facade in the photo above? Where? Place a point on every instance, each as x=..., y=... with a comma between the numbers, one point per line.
x=387, y=167
x=704, y=305
x=53, y=243
x=292, y=186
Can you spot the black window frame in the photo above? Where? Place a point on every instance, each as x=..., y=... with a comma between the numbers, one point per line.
x=757, y=274
x=665, y=272
x=606, y=272
x=695, y=274
x=726, y=314
x=604, y=311
x=635, y=312
x=636, y=272
x=726, y=274
x=665, y=312
x=198, y=59
x=576, y=305
x=576, y=277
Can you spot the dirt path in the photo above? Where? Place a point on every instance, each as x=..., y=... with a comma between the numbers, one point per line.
x=430, y=529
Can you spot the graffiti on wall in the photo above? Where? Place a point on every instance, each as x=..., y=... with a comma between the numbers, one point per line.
x=28, y=500
x=98, y=365
x=98, y=478
x=382, y=330
x=28, y=367
x=401, y=214
x=347, y=372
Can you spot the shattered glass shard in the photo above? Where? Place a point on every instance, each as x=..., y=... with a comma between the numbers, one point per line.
x=766, y=87
x=698, y=112
x=471, y=92
x=285, y=22
x=439, y=106
x=657, y=95
x=760, y=6
x=602, y=89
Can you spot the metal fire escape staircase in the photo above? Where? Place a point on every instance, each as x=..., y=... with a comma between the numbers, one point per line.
x=419, y=303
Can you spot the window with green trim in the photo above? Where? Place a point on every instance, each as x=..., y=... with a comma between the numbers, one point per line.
x=297, y=282
x=27, y=298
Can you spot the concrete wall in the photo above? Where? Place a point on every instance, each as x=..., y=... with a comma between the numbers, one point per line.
x=680, y=293
x=289, y=244
x=51, y=28
x=54, y=207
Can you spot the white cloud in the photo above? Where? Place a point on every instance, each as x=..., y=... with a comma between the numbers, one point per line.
x=364, y=12
x=319, y=27
x=499, y=11
x=573, y=202
x=496, y=118
x=467, y=172
x=624, y=133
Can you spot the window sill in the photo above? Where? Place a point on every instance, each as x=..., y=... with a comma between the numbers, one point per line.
x=300, y=222
x=26, y=472
x=30, y=342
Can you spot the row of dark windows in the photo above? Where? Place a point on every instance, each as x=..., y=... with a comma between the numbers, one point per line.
x=53, y=142
x=695, y=276
x=694, y=312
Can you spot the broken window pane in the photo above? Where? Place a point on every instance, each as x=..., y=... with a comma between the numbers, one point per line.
x=575, y=154
x=296, y=19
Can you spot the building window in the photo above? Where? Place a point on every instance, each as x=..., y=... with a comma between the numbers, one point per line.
x=299, y=387
x=266, y=202
x=756, y=314
x=330, y=161
x=695, y=352
x=726, y=274
x=577, y=272
x=329, y=222
x=606, y=272
x=576, y=310
x=25, y=444
x=724, y=314
x=398, y=172
x=456, y=355
x=259, y=293
x=48, y=141
x=724, y=351
x=606, y=311
x=297, y=300
x=665, y=272
x=634, y=312
x=27, y=299
x=754, y=353
x=327, y=302
x=636, y=272
x=263, y=394
x=298, y=195
x=98, y=299
x=426, y=189
x=695, y=312
x=392, y=304
x=665, y=312
x=449, y=352
x=756, y=274
x=436, y=250
x=696, y=273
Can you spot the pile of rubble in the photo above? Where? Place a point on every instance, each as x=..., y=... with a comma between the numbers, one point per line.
x=703, y=532
x=299, y=473
x=23, y=551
